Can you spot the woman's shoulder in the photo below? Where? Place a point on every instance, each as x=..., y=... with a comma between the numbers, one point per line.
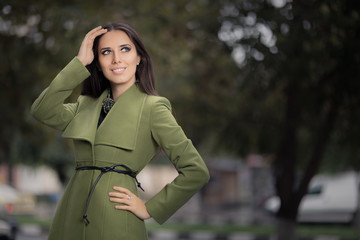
x=157, y=101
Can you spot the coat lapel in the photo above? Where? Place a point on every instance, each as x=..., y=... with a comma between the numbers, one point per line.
x=84, y=124
x=120, y=127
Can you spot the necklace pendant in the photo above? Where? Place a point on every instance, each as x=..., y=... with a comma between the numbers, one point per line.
x=107, y=103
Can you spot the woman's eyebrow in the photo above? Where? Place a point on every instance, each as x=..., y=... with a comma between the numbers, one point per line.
x=105, y=48
x=124, y=45
x=120, y=46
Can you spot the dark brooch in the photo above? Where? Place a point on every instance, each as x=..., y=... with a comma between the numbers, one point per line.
x=107, y=103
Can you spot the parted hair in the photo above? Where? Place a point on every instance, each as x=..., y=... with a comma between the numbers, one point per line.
x=96, y=83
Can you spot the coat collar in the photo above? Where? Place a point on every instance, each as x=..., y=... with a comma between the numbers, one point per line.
x=120, y=126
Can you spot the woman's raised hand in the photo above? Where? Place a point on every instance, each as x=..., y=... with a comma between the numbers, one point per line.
x=86, y=55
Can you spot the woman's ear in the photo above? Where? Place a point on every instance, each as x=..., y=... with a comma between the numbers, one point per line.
x=138, y=60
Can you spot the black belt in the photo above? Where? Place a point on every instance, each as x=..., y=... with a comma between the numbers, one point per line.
x=103, y=170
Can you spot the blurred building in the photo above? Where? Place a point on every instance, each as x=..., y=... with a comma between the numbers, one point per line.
x=35, y=180
x=236, y=182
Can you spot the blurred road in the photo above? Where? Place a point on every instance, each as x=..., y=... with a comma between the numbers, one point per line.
x=24, y=237
x=35, y=233
x=31, y=232
x=245, y=216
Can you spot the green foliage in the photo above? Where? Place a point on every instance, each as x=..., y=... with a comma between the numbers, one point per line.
x=237, y=107
x=299, y=66
x=41, y=37
x=310, y=46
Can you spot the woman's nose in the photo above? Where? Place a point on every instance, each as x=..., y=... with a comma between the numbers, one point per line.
x=116, y=58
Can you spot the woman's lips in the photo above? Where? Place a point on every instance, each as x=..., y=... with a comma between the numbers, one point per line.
x=118, y=70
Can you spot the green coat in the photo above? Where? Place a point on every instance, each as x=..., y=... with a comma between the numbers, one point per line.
x=130, y=134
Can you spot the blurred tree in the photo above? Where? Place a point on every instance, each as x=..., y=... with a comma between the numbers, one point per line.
x=32, y=42
x=299, y=85
x=191, y=64
x=290, y=92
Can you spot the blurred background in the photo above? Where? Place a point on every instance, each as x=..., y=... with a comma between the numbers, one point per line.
x=268, y=91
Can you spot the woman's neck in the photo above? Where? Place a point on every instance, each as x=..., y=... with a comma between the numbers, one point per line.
x=119, y=89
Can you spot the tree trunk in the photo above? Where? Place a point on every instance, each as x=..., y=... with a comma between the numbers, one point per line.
x=289, y=190
x=285, y=163
x=285, y=229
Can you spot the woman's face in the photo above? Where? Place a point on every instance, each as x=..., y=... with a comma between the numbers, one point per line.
x=118, y=59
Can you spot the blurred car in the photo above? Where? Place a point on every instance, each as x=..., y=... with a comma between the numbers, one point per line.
x=7, y=231
x=13, y=201
x=330, y=199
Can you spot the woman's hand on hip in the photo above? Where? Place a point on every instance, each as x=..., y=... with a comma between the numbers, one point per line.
x=129, y=201
x=86, y=55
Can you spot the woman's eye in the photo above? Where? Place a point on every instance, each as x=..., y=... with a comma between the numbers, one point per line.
x=125, y=49
x=105, y=52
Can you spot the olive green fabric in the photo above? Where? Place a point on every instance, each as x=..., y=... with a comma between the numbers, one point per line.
x=130, y=134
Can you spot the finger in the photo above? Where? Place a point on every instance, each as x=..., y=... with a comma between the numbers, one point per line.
x=90, y=37
x=115, y=194
x=123, y=207
x=118, y=195
x=123, y=190
x=120, y=200
x=96, y=32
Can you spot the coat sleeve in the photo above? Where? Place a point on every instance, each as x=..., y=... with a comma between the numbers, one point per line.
x=49, y=108
x=193, y=173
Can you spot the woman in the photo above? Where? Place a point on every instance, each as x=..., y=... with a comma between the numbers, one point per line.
x=117, y=124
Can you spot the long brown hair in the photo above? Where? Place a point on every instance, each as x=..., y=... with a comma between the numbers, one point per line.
x=96, y=83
